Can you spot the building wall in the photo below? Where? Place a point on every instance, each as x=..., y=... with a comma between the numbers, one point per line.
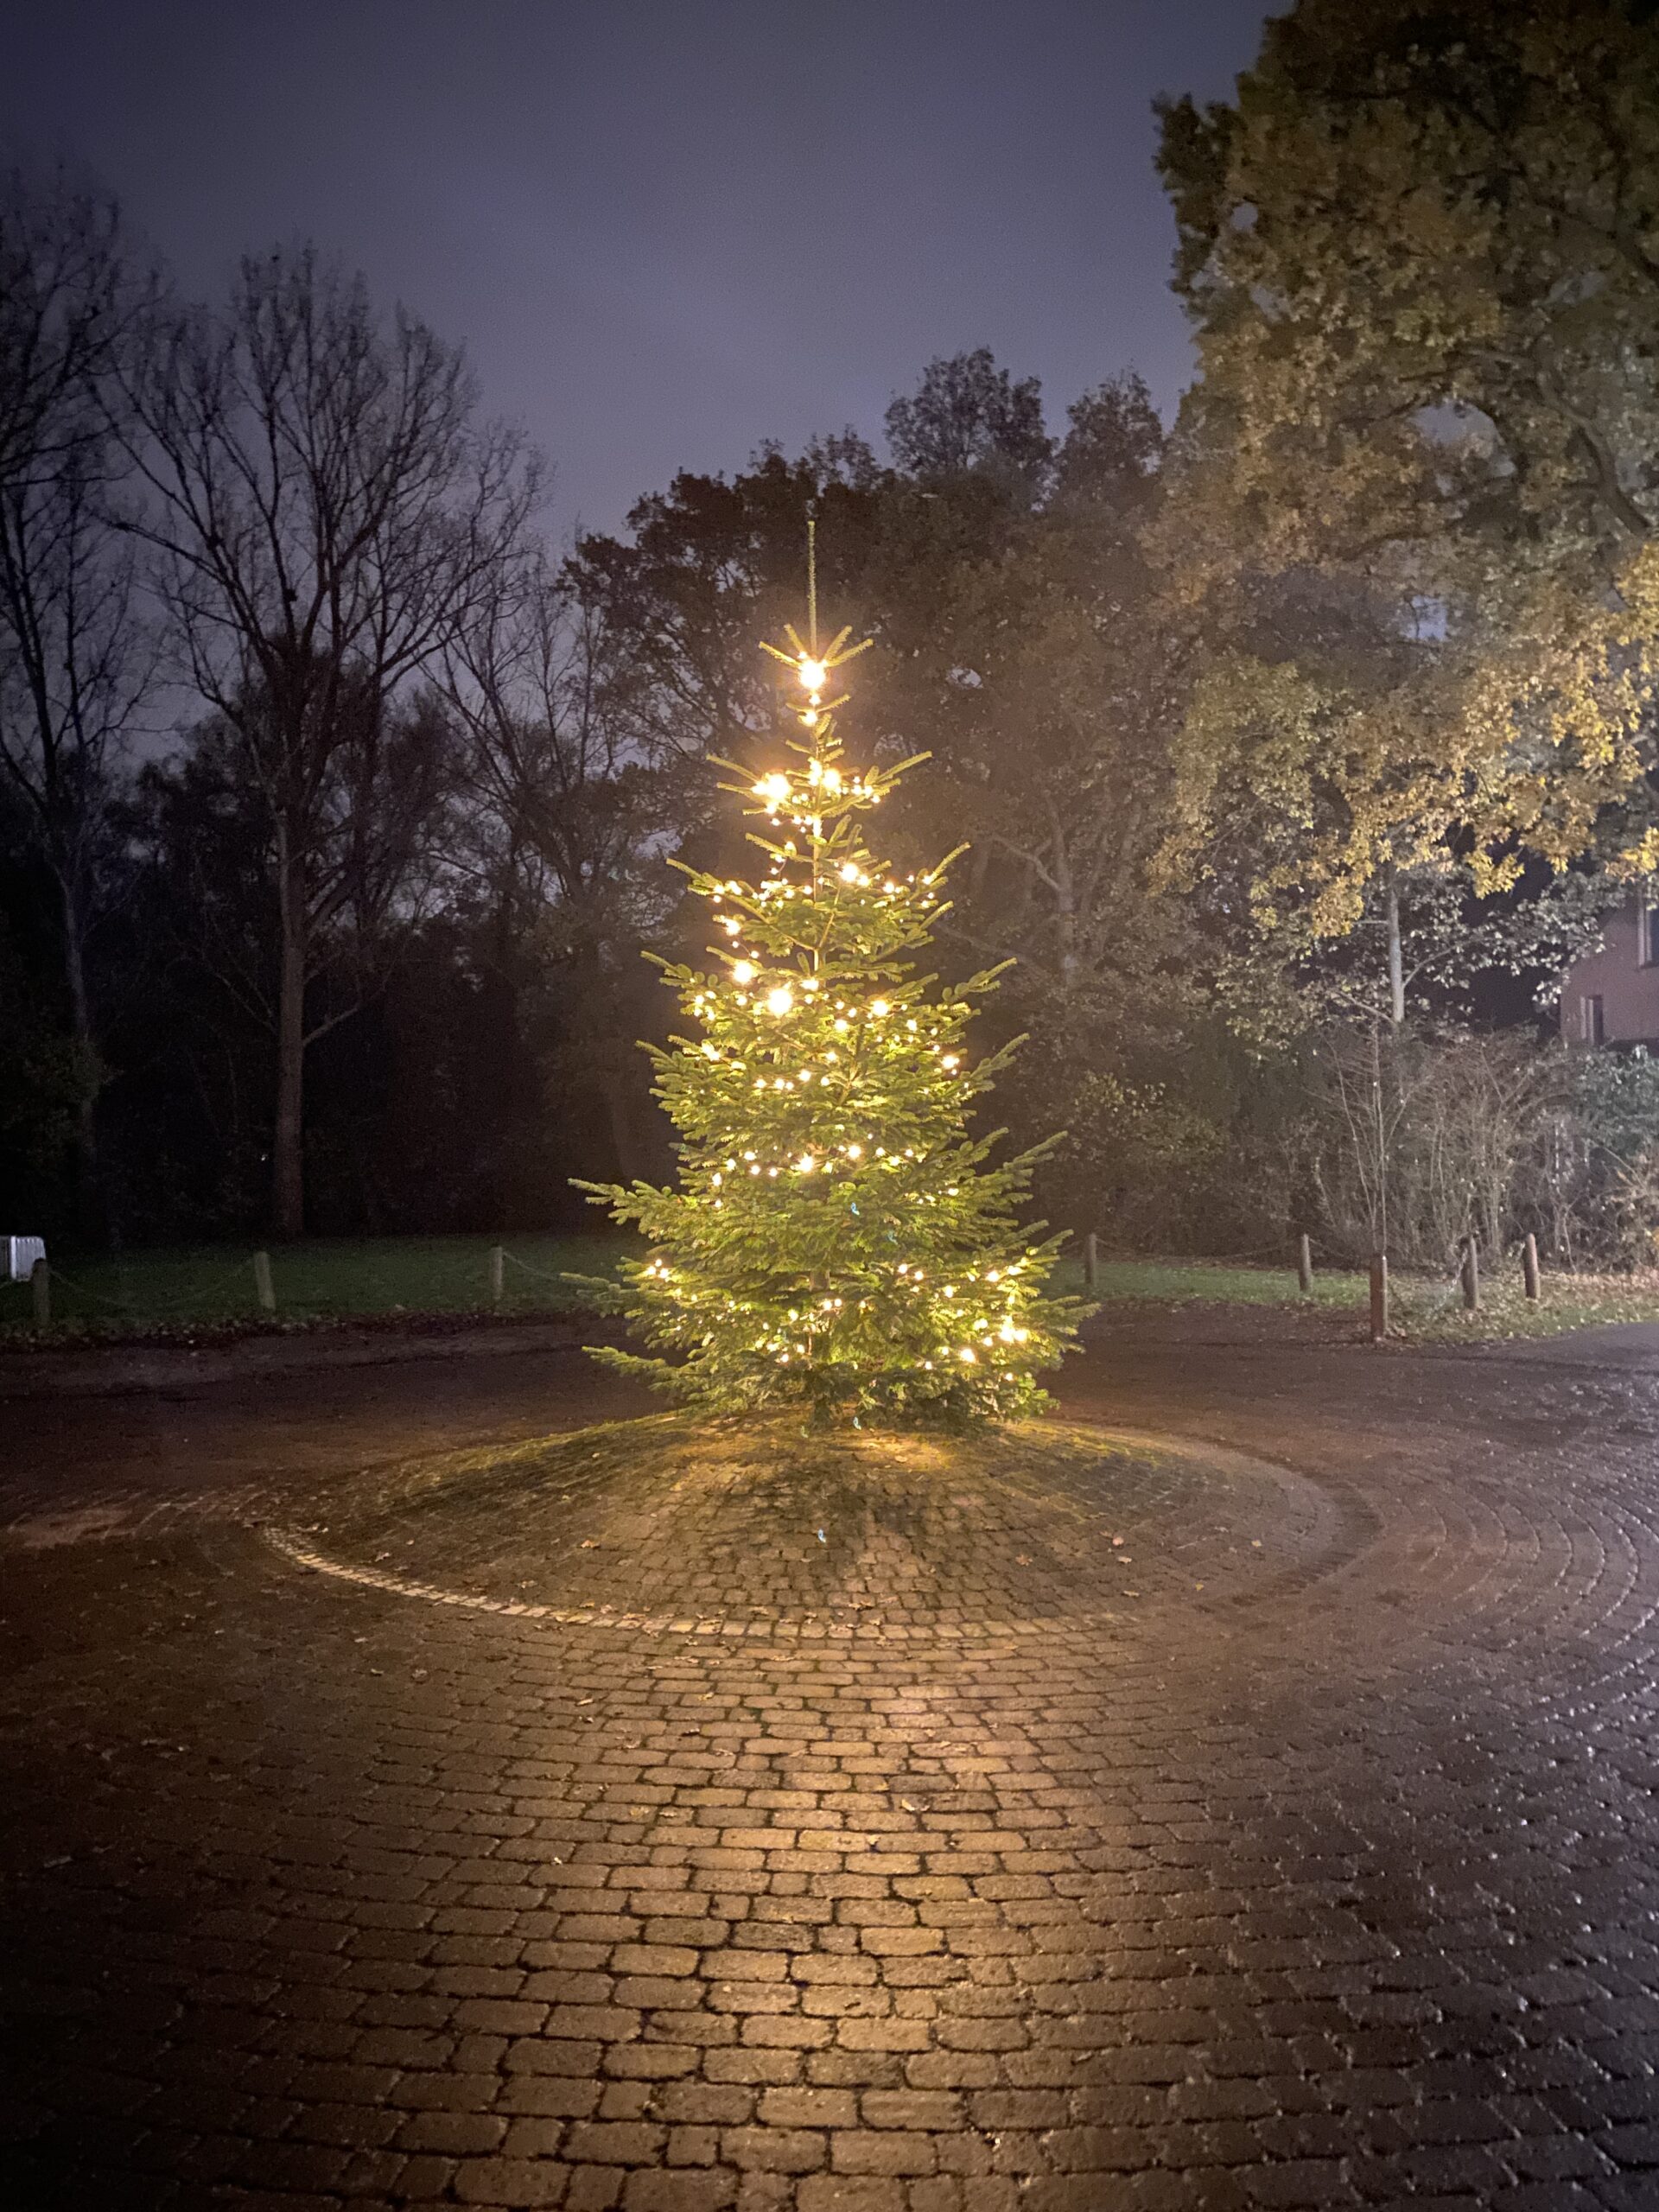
x=1626, y=985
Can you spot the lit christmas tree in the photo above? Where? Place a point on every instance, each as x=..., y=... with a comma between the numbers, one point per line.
x=836, y=1237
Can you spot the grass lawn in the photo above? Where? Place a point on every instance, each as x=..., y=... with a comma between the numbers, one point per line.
x=1434, y=1313
x=1424, y=1308
x=1178, y=1281
x=172, y=1293
x=211, y=1285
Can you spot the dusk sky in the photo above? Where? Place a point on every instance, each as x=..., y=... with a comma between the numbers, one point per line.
x=664, y=232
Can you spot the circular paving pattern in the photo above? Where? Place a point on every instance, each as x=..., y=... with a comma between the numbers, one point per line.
x=1331, y=1883
x=755, y=1528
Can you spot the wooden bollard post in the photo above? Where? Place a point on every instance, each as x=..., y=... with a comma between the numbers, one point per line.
x=265, y=1289
x=1379, y=1297
x=1305, y=1264
x=40, y=1282
x=1091, y=1260
x=1530, y=1265
x=1471, y=1275
x=498, y=1273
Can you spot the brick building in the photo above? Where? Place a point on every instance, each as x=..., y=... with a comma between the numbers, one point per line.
x=1612, y=997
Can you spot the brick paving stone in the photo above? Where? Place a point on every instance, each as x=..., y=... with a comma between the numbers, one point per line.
x=922, y=1871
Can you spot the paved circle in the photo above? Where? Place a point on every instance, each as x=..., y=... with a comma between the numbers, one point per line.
x=1330, y=1883
x=752, y=1529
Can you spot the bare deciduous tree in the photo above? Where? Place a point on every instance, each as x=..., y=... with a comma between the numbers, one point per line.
x=75, y=662
x=565, y=804
x=326, y=508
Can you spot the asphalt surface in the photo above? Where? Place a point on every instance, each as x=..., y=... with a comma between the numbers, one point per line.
x=1296, y=1849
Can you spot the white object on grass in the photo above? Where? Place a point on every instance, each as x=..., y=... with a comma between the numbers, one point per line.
x=21, y=1252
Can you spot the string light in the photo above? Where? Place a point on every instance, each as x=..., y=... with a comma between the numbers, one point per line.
x=832, y=924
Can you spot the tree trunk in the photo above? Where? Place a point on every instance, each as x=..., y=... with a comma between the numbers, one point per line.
x=90, y=1209
x=1380, y=1134
x=615, y=1094
x=1397, y=955
x=1065, y=919
x=288, y=1140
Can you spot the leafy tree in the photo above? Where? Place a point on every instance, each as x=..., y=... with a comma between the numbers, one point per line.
x=970, y=414
x=1417, y=220
x=1025, y=650
x=706, y=567
x=1600, y=1194
x=1020, y=636
x=835, y=1238
x=1421, y=254
x=1033, y=651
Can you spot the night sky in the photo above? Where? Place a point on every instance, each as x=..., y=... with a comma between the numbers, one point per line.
x=665, y=229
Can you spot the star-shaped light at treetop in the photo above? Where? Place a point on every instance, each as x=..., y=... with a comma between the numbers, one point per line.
x=813, y=669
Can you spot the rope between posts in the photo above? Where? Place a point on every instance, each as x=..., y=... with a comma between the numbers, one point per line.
x=560, y=1281
x=1286, y=1256
x=179, y=1303
x=237, y=1269
x=56, y=1275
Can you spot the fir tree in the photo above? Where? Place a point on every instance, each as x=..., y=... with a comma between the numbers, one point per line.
x=838, y=1237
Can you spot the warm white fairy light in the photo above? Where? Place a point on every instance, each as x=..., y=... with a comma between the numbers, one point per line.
x=827, y=920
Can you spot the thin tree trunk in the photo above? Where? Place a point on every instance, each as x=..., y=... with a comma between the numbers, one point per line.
x=1380, y=1131
x=89, y=1193
x=616, y=1112
x=1396, y=954
x=288, y=1154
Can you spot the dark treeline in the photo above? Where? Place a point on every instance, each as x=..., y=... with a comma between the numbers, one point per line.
x=335, y=806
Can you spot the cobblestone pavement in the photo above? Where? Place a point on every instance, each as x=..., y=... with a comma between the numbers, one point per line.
x=1330, y=1883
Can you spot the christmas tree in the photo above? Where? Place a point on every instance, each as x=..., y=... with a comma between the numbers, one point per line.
x=838, y=1237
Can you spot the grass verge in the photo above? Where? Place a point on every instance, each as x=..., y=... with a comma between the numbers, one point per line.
x=1423, y=1308
x=193, y=1294
x=192, y=1290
